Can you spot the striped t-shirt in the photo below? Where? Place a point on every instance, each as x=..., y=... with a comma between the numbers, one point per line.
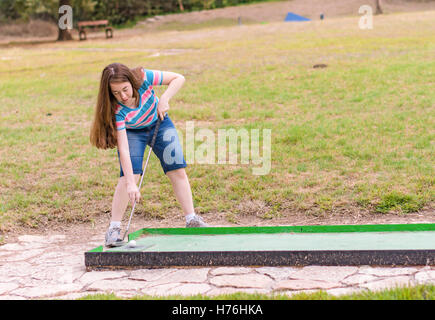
x=146, y=112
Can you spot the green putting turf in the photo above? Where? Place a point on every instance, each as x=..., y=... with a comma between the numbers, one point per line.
x=284, y=241
x=401, y=244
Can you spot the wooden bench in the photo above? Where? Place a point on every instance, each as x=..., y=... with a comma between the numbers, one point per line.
x=82, y=25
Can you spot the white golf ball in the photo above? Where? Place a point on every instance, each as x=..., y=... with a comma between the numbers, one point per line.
x=132, y=243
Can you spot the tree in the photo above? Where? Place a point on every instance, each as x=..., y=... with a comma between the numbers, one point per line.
x=378, y=7
x=64, y=34
x=180, y=4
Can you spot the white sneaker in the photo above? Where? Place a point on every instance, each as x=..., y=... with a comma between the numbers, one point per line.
x=112, y=237
x=196, y=222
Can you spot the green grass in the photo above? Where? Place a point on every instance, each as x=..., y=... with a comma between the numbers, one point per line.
x=356, y=135
x=419, y=292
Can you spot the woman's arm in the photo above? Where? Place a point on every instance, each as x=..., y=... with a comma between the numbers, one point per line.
x=127, y=168
x=174, y=81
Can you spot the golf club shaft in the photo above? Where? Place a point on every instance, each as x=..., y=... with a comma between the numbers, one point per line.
x=156, y=129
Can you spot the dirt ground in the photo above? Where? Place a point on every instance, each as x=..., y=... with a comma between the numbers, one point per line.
x=277, y=11
x=175, y=219
x=254, y=13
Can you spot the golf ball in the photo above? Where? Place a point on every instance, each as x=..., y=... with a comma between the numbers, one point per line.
x=132, y=243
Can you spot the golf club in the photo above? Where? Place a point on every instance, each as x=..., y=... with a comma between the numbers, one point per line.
x=156, y=130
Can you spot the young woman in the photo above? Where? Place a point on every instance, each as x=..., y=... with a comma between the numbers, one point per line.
x=125, y=117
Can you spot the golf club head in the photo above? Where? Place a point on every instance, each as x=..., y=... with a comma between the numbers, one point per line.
x=118, y=243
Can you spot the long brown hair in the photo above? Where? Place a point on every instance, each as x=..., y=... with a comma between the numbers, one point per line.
x=103, y=130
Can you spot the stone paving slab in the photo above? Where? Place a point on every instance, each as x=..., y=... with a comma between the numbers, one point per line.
x=52, y=267
x=304, y=284
x=248, y=280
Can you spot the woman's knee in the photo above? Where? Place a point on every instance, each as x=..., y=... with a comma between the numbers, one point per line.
x=177, y=174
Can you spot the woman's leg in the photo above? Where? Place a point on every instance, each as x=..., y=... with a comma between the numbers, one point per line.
x=120, y=198
x=182, y=190
x=170, y=153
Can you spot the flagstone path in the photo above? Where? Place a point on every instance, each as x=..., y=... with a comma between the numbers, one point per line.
x=52, y=267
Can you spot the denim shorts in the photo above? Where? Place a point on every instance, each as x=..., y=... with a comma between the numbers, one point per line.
x=167, y=147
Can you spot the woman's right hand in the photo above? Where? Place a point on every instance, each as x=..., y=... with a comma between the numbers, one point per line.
x=133, y=192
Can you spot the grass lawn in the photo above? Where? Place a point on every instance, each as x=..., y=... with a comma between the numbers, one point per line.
x=358, y=134
x=419, y=292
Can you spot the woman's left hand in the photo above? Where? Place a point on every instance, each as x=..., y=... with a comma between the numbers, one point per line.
x=162, y=108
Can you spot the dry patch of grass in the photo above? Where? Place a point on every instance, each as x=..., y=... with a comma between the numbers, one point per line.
x=33, y=29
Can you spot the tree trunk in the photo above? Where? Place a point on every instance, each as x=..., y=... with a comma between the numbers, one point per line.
x=64, y=33
x=378, y=7
x=180, y=4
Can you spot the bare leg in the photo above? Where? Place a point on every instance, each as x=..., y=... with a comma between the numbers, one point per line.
x=120, y=198
x=181, y=186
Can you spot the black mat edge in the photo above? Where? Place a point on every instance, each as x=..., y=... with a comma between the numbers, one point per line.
x=127, y=260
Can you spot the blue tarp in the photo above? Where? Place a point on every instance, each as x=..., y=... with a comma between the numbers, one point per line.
x=294, y=17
